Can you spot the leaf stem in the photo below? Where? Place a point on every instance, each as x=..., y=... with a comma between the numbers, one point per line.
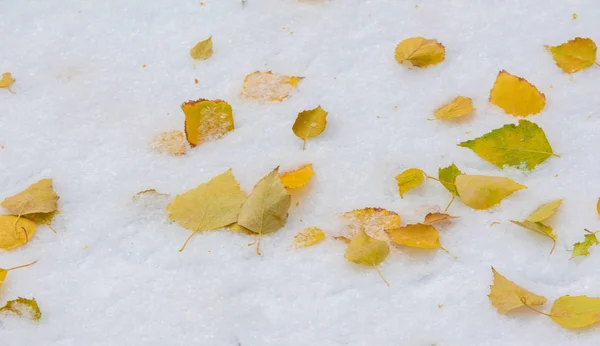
x=187, y=241
x=381, y=276
x=553, y=246
x=449, y=204
x=524, y=301
x=22, y=266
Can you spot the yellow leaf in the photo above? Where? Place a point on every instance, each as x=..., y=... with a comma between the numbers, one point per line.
x=342, y=238
x=575, y=55
x=236, y=228
x=15, y=231
x=23, y=307
x=366, y=250
x=598, y=206
x=545, y=211
x=459, y=107
x=310, y=123
x=37, y=198
x=420, y=52
x=206, y=120
x=409, y=179
x=418, y=235
x=513, y=145
x=505, y=295
x=308, y=237
x=7, y=80
x=539, y=228
x=484, y=192
x=169, y=142
x=297, y=178
x=268, y=86
x=448, y=176
x=516, y=96
x=582, y=248
x=575, y=311
x=373, y=221
x=432, y=218
x=202, y=50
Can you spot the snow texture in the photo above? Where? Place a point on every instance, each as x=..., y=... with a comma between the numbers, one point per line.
x=85, y=111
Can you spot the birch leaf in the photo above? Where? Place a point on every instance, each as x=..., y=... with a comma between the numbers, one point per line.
x=366, y=250
x=575, y=311
x=206, y=120
x=574, y=55
x=420, y=52
x=298, y=178
x=545, y=211
x=268, y=86
x=505, y=295
x=418, y=235
x=459, y=107
x=372, y=221
x=409, y=179
x=516, y=96
x=310, y=123
x=37, y=198
x=7, y=80
x=448, y=176
x=484, y=192
x=15, y=231
x=582, y=248
x=539, y=228
x=23, y=307
x=308, y=237
x=432, y=218
x=202, y=50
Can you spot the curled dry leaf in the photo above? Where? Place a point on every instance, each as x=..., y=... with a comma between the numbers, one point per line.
x=420, y=52
x=37, y=198
x=417, y=235
x=539, y=228
x=574, y=55
x=505, y=295
x=298, y=178
x=484, y=192
x=409, y=179
x=206, y=120
x=310, y=123
x=583, y=248
x=459, y=107
x=23, y=307
x=434, y=217
x=545, y=211
x=169, y=142
x=513, y=145
x=7, y=80
x=15, y=231
x=308, y=237
x=202, y=50
x=268, y=86
x=447, y=177
x=373, y=221
x=575, y=311
x=516, y=96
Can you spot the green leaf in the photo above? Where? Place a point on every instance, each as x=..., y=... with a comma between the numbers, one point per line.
x=448, y=176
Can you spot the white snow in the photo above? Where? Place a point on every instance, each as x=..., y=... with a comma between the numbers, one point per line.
x=85, y=111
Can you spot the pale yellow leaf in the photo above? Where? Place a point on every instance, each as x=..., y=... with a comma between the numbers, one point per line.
x=202, y=50
x=366, y=250
x=37, y=198
x=169, y=142
x=539, y=228
x=434, y=217
x=484, y=192
x=308, y=237
x=373, y=221
x=545, y=211
x=505, y=295
x=268, y=86
x=459, y=107
x=575, y=311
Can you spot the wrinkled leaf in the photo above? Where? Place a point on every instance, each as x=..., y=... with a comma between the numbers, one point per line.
x=15, y=233
x=409, y=179
x=505, y=295
x=459, y=107
x=298, y=178
x=268, y=86
x=516, y=96
x=373, y=221
x=418, y=235
x=23, y=307
x=574, y=55
x=202, y=50
x=37, y=198
x=545, y=211
x=539, y=228
x=206, y=120
x=420, y=52
x=484, y=192
x=575, y=311
x=310, y=123
x=308, y=237
x=447, y=177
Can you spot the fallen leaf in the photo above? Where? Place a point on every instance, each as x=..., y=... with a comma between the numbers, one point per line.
x=373, y=221
x=310, y=123
x=169, y=142
x=513, y=145
x=417, y=235
x=516, y=96
x=459, y=107
x=15, y=231
x=43, y=219
x=7, y=80
x=206, y=120
x=202, y=50
x=582, y=248
x=268, y=86
x=505, y=295
x=23, y=307
x=366, y=250
x=37, y=198
x=448, y=176
x=147, y=192
x=539, y=228
x=598, y=206
x=575, y=311
x=308, y=237
x=574, y=55
x=545, y=211
x=432, y=218
x=342, y=238
x=420, y=52
x=236, y=228
x=484, y=192
x=4, y=272
x=297, y=178
x=409, y=179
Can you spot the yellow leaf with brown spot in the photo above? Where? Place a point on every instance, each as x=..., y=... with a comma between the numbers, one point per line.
x=459, y=107
x=169, y=142
x=417, y=235
x=206, y=120
x=516, y=96
x=298, y=178
x=15, y=231
x=505, y=295
x=268, y=86
x=420, y=52
x=7, y=80
x=409, y=179
x=366, y=250
x=373, y=221
x=539, y=228
x=308, y=237
x=574, y=55
x=432, y=218
x=202, y=50
x=484, y=192
x=310, y=123
x=37, y=198
x=23, y=307
x=545, y=211
x=575, y=311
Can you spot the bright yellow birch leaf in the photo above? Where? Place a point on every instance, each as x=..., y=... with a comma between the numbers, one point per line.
x=420, y=52
x=417, y=235
x=505, y=295
x=516, y=96
x=4, y=272
x=15, y=231
x=459, y=107
x=298, y=178
x=432, y=218
x=447, y=177
x=308, y=237
x=373, y=221
x=513, y=145
x=539, y=228
x=6, y=81
x=409, y=179
x=310, y=123
x=483, y=192
x=169, y=142
x=575, y=311
x=202, y=50
x=37, y=198
x=545, y=211
x=206, y=120
x=582, y=248
x=268, y=86
x=574, y=55
x=23, y=307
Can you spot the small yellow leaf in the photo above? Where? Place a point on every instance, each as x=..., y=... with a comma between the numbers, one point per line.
x=484, y=192
x=575, y=55
x=7, y=80
x=268, y=86
x=23, y=307
x=308, y=237
x=169, y=142
x=516, y=96
x=575, y=311
x=366, y=250
x=545, y=211
x=420, y=52
x=505, y=295
x=539, y=228
x=297, y=178
x=459, y=107
x=432, y=218
x=202, y=50
x=310, y=123
x=206, y=120
x=409, y=179
x=448, y=176
x=582, y=248
x=37, y=198
x=418, y=235
x=15, y=233
x=373, y=221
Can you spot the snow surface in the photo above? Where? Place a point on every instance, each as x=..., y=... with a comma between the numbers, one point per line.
x=85, y=111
